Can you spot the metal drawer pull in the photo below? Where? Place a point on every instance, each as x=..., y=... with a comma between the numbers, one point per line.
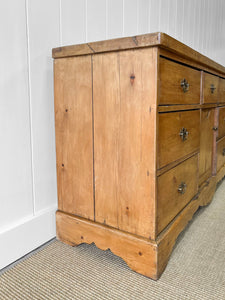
x=215, y=128
x=182, y=188
x=185, y=85
x=223, y=151
x=183, y=134
x=212, y=88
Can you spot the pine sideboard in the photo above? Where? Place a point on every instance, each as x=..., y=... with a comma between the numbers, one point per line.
x=140, y=144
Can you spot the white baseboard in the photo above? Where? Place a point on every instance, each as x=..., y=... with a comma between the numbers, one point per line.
x=25, y=236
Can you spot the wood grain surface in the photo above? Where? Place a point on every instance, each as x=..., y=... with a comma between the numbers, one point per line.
x=160, y=39
x=128, y=137
x=222, y=90
x=220, y=153
x=221, y=127
x=178, y=107
x=126, y=43
x=124, y=135
x=167, y=53
x=210, y=95
x=73, y=125
x=206, y=144
x=140, y=254
x=170, y=201
x=171, y=147
x=171, y=75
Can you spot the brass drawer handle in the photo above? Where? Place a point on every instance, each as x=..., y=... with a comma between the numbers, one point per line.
x=185, y=85
x=223, y=151
x=212, y=88
x=182, y=188
x=183, y=134
x=215, y=128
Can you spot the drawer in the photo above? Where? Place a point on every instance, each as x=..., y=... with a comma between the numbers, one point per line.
x=178, y=84
x=222, y=90
x=210, y=88
x=175, y=189
x=220, y=153
x=178, y=135
x=221, y=127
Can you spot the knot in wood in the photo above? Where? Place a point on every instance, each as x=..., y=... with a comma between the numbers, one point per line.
x=132, y=77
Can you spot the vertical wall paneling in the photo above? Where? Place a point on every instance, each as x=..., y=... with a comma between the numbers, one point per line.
x=143, y=16
x=218, y=19
x=96, y=20
x=43, y=36
x=217, y=34
x=164, y=16
x=206, y=28
x=179, y=20
x=115, y=19
x=188, y=22
x=21, y=228
x=212, y=25
x=60, y=22
x=197, y=33
x=154, y=16
x=213, y=11
x=202, y=26
x=172, y=17
x=130, y=17
x=73, y=21
x=16, y=173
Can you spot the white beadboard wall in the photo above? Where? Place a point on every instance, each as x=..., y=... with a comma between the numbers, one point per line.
x=197, y=23
x=29, y=30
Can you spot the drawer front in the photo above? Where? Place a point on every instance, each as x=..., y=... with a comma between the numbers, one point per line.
x=178, y=84
x=221, y=128
x=175, y=189
x=178, y=135
x=222, y=90
x=220, y=153
x=210, y=88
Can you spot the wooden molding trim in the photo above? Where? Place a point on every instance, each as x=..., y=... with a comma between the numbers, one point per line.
x=140, y=254
x=133, y=42
x=146, y=40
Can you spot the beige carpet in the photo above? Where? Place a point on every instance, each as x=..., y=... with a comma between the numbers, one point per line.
x=196, y=269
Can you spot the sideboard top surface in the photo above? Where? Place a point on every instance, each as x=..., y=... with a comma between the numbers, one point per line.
x=159, y=39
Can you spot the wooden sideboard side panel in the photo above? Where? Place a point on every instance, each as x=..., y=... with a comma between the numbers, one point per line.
x=73, y=123
x=124, y=96
x=59, y=108
x=106, y=96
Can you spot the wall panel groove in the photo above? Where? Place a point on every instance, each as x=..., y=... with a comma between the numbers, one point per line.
x=30, y=107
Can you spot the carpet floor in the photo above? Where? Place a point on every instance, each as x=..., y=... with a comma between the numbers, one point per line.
x=196, y=269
